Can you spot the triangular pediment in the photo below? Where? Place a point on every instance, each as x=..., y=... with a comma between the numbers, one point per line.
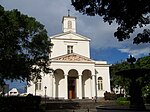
x=72, y=58
x=70, y=36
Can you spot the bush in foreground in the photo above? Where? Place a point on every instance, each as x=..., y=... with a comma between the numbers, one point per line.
x=20, y=104
x=122, y=101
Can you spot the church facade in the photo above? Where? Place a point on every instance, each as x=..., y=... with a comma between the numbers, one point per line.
x=75, y=75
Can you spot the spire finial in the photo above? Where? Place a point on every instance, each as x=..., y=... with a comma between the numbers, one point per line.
x=68, y=12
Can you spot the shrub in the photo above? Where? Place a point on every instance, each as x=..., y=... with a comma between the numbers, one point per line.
x=110, y=96
x=123, y=101
x=147, y=99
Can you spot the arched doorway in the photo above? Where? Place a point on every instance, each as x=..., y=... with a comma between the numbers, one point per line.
x=59, y=76
x=72, y=84
x=86, y=81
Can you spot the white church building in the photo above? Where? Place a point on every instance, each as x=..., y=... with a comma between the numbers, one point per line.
x=75, y=75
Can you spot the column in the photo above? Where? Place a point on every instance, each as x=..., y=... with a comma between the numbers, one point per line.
x=80, y=87
x=93, y=86
x=51, y=85
x=66, y=86
x=46, y=83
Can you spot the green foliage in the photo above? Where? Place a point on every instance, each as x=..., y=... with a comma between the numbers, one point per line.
x=23, y=43
x=118, y=81
x=143, y=62
x=128, y=14
x=123, y=101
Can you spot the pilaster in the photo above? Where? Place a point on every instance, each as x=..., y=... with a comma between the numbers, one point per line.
x=80, y=86
x=66, y=86
x=93, y=86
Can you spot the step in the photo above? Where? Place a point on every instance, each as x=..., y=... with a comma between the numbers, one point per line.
x=71, y=105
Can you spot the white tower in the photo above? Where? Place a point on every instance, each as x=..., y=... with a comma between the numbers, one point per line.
x=69, y=24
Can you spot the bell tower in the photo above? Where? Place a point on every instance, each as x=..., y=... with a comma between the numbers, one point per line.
x=69, y=23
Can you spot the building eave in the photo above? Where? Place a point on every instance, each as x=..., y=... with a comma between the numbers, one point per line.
x=102, y=65
x=58, y=61
x=84, y=38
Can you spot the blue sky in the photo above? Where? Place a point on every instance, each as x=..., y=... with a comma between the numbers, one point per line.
x=112, y=55
x=104, y=46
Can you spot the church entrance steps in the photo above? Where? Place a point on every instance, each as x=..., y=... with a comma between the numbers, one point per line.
x=86, y=104
x=70, y=105
x=62, y=100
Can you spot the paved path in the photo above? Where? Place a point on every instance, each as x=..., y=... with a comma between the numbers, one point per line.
x=70, y=110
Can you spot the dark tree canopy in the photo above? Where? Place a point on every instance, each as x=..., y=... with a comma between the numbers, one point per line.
x=128, y=14
x=23, y=43
x=116, y=80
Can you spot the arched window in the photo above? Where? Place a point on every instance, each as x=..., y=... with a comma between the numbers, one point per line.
x=100, y=83
x=69, y=24
x=38, y=85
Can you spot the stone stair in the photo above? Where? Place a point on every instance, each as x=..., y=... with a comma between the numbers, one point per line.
x=85, y=105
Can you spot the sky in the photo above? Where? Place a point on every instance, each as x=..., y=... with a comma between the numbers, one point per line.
x=104, y=46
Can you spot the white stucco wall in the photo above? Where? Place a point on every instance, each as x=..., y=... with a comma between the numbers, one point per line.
x=103, y=71
x=80, y=67
x=87, y=88
x=45, y=81
x=79, y=46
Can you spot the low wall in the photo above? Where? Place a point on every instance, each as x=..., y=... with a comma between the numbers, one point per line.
x=118, y=109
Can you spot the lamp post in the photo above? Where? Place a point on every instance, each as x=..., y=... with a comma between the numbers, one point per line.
x=131, y=60
x=45, y=93
x=136, y=100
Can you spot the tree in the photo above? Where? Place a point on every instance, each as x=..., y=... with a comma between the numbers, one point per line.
x=116, y=80
x=23, y=43
x=128, y=14
x=144, y=62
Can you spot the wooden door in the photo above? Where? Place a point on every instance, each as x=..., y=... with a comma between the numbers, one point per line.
x=71, y=88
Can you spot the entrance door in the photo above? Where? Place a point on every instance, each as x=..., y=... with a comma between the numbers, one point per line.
x=71, y=88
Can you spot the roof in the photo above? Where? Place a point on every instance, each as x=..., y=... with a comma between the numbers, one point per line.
x=70, y=35
x=68, y=17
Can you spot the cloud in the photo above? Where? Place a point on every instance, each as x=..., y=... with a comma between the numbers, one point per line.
x=50, y=13
x=136, y=51
x=101, y=34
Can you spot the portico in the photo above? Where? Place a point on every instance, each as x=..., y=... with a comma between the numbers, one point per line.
x=79, y=82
